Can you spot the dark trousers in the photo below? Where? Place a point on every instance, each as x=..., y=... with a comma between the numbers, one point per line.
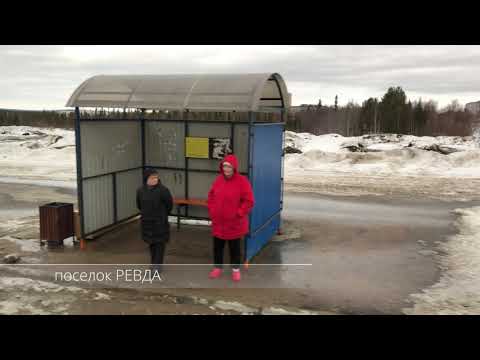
x=235, y=253
x=157, y=252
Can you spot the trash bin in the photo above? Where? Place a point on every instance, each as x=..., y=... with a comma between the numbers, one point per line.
x=56, y=223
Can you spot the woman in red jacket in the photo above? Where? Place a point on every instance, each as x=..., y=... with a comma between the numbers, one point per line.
x=230, y=200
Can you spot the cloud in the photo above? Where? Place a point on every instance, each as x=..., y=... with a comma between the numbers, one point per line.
x=36, y=77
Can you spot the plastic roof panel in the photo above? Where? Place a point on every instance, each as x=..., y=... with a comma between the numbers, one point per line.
x=207, y=92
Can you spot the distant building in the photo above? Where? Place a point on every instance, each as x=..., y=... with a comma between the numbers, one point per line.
x=473, y=107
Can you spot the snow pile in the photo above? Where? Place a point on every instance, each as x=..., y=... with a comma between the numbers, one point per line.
x=49, y=154
x=388, y=154
x=37, y=152
x=458, y=290
x=307, y=142
x=336, y=143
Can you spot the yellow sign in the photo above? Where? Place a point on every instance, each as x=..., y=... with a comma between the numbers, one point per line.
x=196, y=147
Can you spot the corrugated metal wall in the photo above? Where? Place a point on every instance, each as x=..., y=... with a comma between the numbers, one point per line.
x=98, y=203
x=165, y=148
x=240, y=146
x=109, y=146
x=127, y=184
x=165, y=144
x=199, y=184
x=174, y=180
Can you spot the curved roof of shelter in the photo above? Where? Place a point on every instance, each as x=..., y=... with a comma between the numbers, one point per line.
x=194, y=92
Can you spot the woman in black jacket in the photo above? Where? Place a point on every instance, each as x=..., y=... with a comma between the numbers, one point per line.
x=155, y=204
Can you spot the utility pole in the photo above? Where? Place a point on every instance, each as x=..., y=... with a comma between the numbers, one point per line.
x=375, y=119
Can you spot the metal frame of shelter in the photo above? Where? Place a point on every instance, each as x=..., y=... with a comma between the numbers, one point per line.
x=265, y=137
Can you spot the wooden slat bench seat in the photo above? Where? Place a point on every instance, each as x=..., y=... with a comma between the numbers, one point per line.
x=186, y=202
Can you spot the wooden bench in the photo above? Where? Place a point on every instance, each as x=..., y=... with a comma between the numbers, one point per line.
x=185, y=202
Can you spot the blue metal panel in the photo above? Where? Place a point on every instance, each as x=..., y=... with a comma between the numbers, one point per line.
x=256, y=242
x=266, y=172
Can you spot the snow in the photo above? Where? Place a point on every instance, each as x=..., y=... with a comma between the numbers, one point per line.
x=15, y=307
x=282, y=311
x=37, y=158
x=173, y=219
x=388, y=154
x=27, y=284
x=39, y=182
x=102, y=296
x=307, y=142
x=458, y=290
x=41, y=154
x=21, y=295
x=388, y=164
x=234, y=306
x=401, y=162
x=334, y=142
x=26, y=245
x=12, y=224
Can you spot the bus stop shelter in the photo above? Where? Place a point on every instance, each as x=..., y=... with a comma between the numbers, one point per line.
x=181, y=125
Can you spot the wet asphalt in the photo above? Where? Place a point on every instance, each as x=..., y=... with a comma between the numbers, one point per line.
x=357, y=255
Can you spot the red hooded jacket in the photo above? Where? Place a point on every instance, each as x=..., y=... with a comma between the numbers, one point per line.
x=229, y=203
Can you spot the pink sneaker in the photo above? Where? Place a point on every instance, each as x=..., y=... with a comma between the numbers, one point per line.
x=236, y=276
x=215, y=273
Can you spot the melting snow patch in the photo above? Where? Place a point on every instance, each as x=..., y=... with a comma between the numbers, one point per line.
x=25, y=284
x=280, y=311
x=46, y=154
x=234, y=306
x=173, y=219
x=101, y=296
x=12, y=224
x=27, y=245
x=14, y=307
x=200, y=301
x=427, y=252
x=458, y=290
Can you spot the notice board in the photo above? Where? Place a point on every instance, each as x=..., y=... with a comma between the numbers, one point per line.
x=197, y=147
x=207, y=148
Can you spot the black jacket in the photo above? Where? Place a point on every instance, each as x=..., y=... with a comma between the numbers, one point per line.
x=154, y=203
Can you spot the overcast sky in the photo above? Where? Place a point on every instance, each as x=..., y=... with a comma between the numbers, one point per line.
x=44, y=77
